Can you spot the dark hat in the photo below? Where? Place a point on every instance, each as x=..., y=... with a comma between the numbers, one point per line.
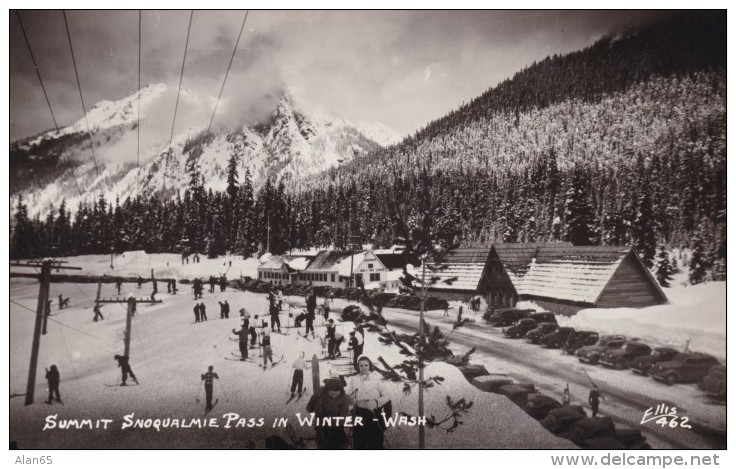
x=333, y=384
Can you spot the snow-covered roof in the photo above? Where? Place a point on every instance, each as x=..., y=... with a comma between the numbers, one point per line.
x=298, y=263
x=466, y=264
x=517, y=257
x=329, y=260
x=343, y=267
x=271, y=261
x=578, y=273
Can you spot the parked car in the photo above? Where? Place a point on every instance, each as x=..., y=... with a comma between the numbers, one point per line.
x=660, y=354
x=558, y=337
x=592, y=353
x=544, y=316
x=535, y=335
x=714, y=382
x=507, y=317
x=623, y=357
x=520, y=328
x=580, y=339
x=683, y=367
x=538, y=405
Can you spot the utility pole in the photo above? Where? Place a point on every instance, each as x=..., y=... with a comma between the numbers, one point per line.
x=43, y=295
x=420, y=404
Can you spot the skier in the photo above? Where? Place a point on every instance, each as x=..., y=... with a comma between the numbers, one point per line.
x=223, y=283
x=309, y=322
x=118, y=284
x=212, y=283
x=368, y=391
x=331, y=401
x=566, y=395
x=594, y=399
x=326, y=307
x=274, y=312
x=125, y=369
x=196, y=312
x=222, y=310
x=208, y=379
x=98, y=313
x=242, y=341
x=339, y=339
x=202, y=312
x=356, y=345
x=311, y=303
x=297, y=380
x=266, y=344
x=299, y=318
x=53, y=378
x=253, y=336
x=330, y=337
x=246, y=318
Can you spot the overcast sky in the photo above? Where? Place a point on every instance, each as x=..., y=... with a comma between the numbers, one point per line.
x=401, y=68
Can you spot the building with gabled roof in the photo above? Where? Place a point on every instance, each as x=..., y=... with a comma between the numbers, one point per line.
x=282, y=269
x=381, y=271
x=329, y=268
x=558, y=276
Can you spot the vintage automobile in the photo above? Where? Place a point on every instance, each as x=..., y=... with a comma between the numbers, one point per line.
x=623, y=357
x=535, y=335
x=660, y=354
x=714, y=382
x=520, y=328
x=580, y=339
x=592, y=353
x=558, y=337
x=544, y=316
x=683, y=367
x=507, y=317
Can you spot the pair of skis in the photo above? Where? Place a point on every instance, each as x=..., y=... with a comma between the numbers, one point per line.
x=273, y=364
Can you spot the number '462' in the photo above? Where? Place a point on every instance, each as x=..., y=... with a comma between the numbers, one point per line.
x=673, y=422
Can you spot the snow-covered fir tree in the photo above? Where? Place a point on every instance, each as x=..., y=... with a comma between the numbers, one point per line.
x=664, y=267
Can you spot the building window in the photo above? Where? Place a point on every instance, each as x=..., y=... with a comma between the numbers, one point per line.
x=333, y=277
x=375, y=277
x=370, y=266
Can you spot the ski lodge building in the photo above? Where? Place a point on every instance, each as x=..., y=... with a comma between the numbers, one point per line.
x=558, y=277
x=282, y=270
x=381, y=270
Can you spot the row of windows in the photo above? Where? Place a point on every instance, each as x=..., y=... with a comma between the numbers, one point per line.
x=272, y=275
x=317, y=277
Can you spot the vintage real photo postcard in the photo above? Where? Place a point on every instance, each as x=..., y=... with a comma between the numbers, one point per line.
x=367, y=229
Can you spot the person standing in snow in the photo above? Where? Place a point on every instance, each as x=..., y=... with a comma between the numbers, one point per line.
x=118, y=284
x=297, y=380
x=222, y=309
x=208, y=379
x=196, y=312
x=53, y=378
x=266, y=345
x=273, y=310
x=98, y=313
x=326, y=307
x=330, y=401
x=125, y=369
x=212, y=283
x=356, y=345
x=242, y=341
x=246, y=318
x=594, y=400
x=202, y=312
x=370, y=396
x=330, y=337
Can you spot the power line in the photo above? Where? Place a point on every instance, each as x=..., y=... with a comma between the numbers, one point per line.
x=79, y=86
x=54, y=320
x=228, y=72
x=176, y=107
x=48, y=102
x=138, y=152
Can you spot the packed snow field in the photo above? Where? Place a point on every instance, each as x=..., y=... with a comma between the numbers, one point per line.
x=169, y=352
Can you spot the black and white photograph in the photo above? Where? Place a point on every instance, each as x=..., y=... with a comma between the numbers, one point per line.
x=368, y=229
